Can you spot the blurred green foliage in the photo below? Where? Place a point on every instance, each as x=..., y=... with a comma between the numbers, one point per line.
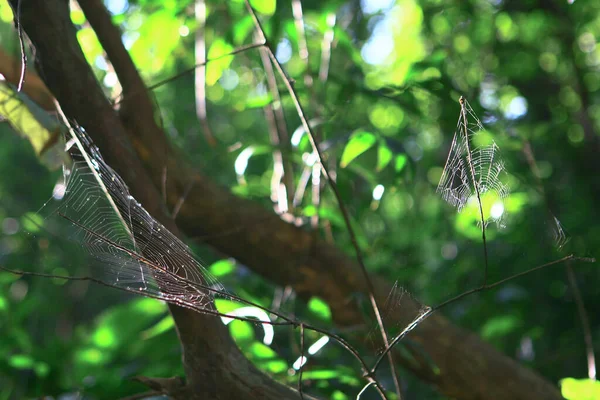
x=380, y=81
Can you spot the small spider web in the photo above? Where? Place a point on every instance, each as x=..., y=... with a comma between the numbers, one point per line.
x=474, y=168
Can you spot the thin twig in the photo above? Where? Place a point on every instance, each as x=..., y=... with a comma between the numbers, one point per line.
x=585, y=322
x=326, y=47
x=278, y=135
x=200, y=78
x=182, y=199
x=430, y=311
x=122, y=97
x=583, y=317
x=363, y=390
x=22, y=44
x=195, y=285
x=317, y=150
x=463, y=113
x=301, y=361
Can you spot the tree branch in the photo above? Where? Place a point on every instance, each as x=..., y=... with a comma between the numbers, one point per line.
x=215, y=368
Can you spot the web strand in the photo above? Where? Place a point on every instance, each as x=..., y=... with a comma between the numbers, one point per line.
x=472, y=171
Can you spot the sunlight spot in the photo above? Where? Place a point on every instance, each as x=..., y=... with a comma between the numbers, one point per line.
x=378, y=192
x=373, y=6
x=229, y=80
x=497, y=210
x=241, y=162
x=300, y=131
x=184, y=31
x=378, y=48
x=309, y=159
x=297, y=136
x=129, y=38
x=516, y=108
x=299, y=363
x=257, y=313
x=110, y=79
x=284, y=51
x=100, y=62
x=318, y=345
x=117, y=6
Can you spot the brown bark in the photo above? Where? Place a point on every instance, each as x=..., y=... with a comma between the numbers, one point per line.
x=10, y=68
x=215, y=368
x=469, y=368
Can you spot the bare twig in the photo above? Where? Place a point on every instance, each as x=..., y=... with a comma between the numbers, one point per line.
x=317, y=150
x=22, y=44
x=200, y=78
x=122, y=97
x=585, y=322
x=465, y=126
x=326, y=45
x=302, y=358
x=193, y=286
x=181, y=199
x=430, y=311
x=583, y=317
x=302, y=45
x=282, y=166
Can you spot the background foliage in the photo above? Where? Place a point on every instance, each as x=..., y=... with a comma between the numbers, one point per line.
x=380, y=80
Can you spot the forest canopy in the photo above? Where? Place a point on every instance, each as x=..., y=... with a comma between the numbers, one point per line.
x=355, y=173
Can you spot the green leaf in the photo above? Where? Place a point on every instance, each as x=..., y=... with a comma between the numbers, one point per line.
x=32, y=222
x=214, y=69
x=41, y=369
x=160, y=327
x=89, y=44
x=266, y=7
x=321, y=374
x=149, y=306
x=6, y=14
x=580, y=389
x=241, y=330
x=222, y=268
x=319, y=308
x=384, y=156
x=15, y=108
x=276, y=366
x=499, y=326
x=259, y=101
x=242, y=29
x=91, y=356
x=105, y=336
x=225, y=306
x=400, y=162
x=261, y=351
x=359, y=143
x=159, y=36
x=77, y=17
x=21, y=361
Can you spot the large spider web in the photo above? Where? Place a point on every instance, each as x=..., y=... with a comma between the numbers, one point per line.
x=131, y=250
x=471, y=169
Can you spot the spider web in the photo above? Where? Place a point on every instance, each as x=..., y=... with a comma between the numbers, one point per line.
x=472, y=169
x=130, y=248
x=395, y=319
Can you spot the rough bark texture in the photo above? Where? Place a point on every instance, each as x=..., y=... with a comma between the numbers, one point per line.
x=215, y=368
x=136, y=147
